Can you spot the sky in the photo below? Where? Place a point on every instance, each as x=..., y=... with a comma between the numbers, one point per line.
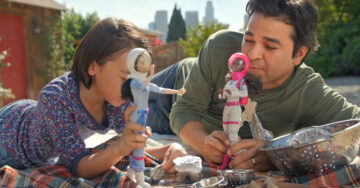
x=142, y=12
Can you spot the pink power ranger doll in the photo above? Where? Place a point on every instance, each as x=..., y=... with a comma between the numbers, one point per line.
x=236, y=94
x=137, y=89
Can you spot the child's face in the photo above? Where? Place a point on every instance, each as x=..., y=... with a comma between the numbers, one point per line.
x=110, y=77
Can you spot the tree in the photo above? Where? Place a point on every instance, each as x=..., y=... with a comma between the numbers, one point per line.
x=339, y=37
x=196, y=37
x=177, y=28
x=61, y=40
x=75, y=26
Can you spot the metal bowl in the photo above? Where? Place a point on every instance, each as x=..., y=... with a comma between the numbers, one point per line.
x=217, y=181
x=315, y=149
x=235, y=177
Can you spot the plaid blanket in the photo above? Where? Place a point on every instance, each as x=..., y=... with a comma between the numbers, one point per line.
x=338, y=177
x=60, y=176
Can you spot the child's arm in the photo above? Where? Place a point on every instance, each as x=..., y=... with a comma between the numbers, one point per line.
x=96, y=164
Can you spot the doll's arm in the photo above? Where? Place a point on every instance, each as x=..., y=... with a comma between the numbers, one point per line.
x=137, y=84
x=222, y=95
x=151, y=74
x=242, y=92
x=173, y=91
x=157, y=89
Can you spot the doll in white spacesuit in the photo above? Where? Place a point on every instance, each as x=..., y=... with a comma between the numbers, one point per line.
x=236, y=94
x=137, y=89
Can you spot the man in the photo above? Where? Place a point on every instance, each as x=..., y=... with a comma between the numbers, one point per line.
x=279, y=36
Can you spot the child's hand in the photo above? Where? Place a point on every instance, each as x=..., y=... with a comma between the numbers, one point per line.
x=174, y=150
x=130, y=139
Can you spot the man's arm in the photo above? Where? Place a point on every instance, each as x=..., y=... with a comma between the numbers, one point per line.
x=196, y=113
x=210, y=147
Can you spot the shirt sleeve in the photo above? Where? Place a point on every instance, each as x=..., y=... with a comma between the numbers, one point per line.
x=205, y=79
x=326, y=106
x=61, y=126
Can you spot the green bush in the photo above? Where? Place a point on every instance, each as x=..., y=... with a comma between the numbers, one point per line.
x=339, y=37
x=195, y=37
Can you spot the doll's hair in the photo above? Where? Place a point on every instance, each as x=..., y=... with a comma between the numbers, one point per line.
x=126, y=91
x=103, y=42
x=143, y=56
x=253, y=82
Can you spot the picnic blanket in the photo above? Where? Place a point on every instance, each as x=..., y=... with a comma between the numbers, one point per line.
x=60, y=176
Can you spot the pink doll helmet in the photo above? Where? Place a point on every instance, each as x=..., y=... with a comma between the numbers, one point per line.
x=239, y=74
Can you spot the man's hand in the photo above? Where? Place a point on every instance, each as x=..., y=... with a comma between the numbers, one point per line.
x=215, y=146
x=252, y=158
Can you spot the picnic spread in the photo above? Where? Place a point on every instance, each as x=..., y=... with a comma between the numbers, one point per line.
x=60, y=176
x=317, y=156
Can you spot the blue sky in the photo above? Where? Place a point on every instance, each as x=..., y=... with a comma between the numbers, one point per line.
x=142, y=12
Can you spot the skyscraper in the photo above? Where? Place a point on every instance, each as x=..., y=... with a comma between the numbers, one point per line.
x=209, y=13
x=151, y=26
x=191, y=18
x=161, y=24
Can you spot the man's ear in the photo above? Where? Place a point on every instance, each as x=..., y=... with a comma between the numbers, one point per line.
x=93, y=68
x=300, y=55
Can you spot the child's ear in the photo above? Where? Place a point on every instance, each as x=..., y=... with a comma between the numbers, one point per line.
x=92, y=68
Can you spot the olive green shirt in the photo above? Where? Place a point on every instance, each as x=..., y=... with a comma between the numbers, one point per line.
x=302, y=100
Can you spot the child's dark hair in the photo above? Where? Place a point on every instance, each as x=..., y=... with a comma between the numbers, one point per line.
x=126, y=93
x=253, y=82
x=102, y=42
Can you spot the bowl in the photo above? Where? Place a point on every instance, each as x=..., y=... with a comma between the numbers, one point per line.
x=235, y=177
x=217, y=181
x=315, y=149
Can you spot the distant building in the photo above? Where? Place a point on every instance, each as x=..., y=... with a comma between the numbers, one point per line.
x=151, y=26
x=191, y=18
x=161, y=24
x=246, y=19
x=209, y=13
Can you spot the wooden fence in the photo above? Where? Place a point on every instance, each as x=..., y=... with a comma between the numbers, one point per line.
x=166, y=55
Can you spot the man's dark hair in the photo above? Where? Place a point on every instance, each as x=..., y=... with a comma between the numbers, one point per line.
x=103, y=42
x=301, y=14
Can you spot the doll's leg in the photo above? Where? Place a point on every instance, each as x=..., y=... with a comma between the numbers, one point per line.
x=235, y=119
x=140, y=180
x=137, y=160
x=226, y=119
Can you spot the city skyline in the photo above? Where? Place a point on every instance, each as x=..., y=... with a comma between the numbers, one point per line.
x=142, y=12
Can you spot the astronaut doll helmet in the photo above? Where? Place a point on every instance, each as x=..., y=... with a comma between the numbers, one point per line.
x=138, y=71
x=238, y=65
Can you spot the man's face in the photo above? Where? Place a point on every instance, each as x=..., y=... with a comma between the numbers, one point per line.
x=268, y=44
